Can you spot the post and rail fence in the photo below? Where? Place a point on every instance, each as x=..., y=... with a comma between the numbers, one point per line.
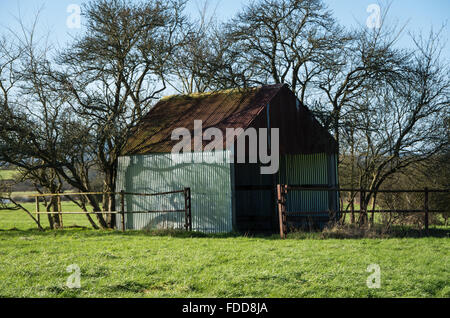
x=283, y=215
x=122, y=211
x=280, y=190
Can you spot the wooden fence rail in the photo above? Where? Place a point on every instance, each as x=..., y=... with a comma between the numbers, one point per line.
x=187, y=205
x=283, y=189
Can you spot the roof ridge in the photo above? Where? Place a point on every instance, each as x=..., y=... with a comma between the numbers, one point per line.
x=222, y=91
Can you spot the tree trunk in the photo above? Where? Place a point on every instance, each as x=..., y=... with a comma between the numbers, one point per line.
x=373, y=209
x=109, y=202
x=352, y=176
x=363, y=208
x=53, y=218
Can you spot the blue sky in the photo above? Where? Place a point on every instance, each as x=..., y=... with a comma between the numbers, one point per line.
x=419, y=15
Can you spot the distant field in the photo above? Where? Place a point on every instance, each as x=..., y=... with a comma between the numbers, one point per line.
x=8, y=174
x=143, y=264
x=18, y=219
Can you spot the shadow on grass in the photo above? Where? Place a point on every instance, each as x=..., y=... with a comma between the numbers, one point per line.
x=394, y=232
x=87, y=232
x=379, y=231
x=404, y=231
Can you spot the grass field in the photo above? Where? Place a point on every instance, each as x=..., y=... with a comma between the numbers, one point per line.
x=8, y=174
x=20, y=220
x=143, y=264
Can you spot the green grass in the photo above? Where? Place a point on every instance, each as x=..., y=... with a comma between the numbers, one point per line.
x=180, y=264
x=18, y=219
x=8, y=174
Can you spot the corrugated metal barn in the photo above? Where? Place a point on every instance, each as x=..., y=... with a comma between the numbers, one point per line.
x=227, y=196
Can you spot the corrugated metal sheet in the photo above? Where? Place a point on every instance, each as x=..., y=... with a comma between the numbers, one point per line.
x=255, y=209
x=210, y=184
x=334, y=181
x=307, y=157
x=299, y=130
x=313, y=169
x=235, y=108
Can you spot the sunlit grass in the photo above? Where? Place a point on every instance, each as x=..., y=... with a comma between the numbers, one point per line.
x=181, y=264
x=8, y=174
x=18, y=219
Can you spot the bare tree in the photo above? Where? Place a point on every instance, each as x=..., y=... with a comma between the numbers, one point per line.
x=369, y=58
x=115, y=71
x=192, y=63
x=287, y=41
x=38, y=134
x=404, y=124
x=76, y=112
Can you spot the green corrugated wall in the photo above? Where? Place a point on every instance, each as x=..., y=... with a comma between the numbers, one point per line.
x=210, y=185
x=212, y=189
x=312, y=169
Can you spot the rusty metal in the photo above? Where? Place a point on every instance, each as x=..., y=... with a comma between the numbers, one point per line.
x=234, y=108
x=237, y=108
x=270, y=106
x=153, y=194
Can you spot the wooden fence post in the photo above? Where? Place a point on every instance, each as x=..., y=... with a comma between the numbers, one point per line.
x=38, y=215
x=122, y=208
x=60, y=211
x=110, y=215
x=281, y=199
x=186, y=222
x=187, y=209
x=362, y=207
x=280, y=218
x=284, y=195
x=352, y=207
x=426, y=209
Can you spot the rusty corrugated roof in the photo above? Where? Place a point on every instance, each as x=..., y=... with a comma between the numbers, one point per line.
x=235, y=108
